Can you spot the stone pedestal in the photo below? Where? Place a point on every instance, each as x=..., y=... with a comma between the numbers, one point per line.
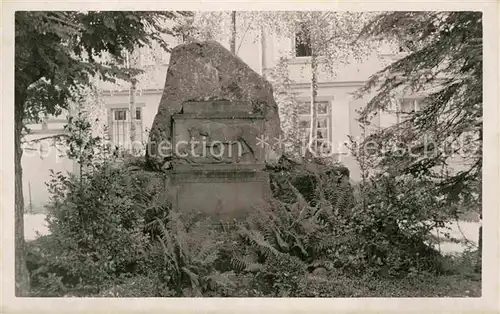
x=222, y=194
x=218, y=164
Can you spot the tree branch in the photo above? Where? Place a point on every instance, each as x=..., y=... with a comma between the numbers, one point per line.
x=57, y=136
x=242, y=38
x=64, y=22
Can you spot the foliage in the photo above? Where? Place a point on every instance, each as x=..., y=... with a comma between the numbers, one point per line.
x=407, y=169
x=315, y=180
x=329, y=37
x=288, y=107
x=96, y=218
x=289, y=249
x=443, y=62
x=281, y=276
x=371, y=234
x=82, y=146
x=97, y=226
x=58, y=53
x=338, y=284
x=134, y=287
x=329, y=34
x=111, y=228
x=333, y=28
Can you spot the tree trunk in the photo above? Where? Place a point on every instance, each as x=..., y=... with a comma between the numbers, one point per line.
x=314, y=94
x=22, y=276
x=233, y=32
x=132, y=104
x=262, y=52
x=133, y=116
x=479, y=265
x=363, y=169
x=480, y=245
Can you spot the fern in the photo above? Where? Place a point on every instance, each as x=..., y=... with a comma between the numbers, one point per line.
x=207, y=255
x=239, y=264
x=188, y=258
x=195, y=283
x=167, y=244
x=259, y=242
x=338, y=193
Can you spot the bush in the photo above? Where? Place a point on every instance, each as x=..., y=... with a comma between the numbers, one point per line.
x=97, y=224
x=282, y=276
x=113, y=234
x=375, y=233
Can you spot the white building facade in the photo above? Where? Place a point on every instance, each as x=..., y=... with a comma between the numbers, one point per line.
x=336, y=104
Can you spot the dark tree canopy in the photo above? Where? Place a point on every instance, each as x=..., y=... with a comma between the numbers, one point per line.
x=443, y=59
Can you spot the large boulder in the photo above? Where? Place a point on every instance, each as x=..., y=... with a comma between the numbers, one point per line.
x=202, y=71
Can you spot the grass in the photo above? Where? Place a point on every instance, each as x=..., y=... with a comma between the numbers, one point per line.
x=439, y=286
x=421, y=286
x=460, y=278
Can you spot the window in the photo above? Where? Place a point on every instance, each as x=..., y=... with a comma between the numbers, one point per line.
x=120, y=127
x=323, y=125
x=138, y=114
x=303, y=44
x=408, y=105
x=120, y=115
x=405, y=105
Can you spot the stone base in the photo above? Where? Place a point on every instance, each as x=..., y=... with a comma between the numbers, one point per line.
x=222, y=194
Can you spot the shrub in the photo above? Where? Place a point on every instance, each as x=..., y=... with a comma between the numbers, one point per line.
x=282, y=275
x=111, y=230
x=97, y=224
x=375, y=233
